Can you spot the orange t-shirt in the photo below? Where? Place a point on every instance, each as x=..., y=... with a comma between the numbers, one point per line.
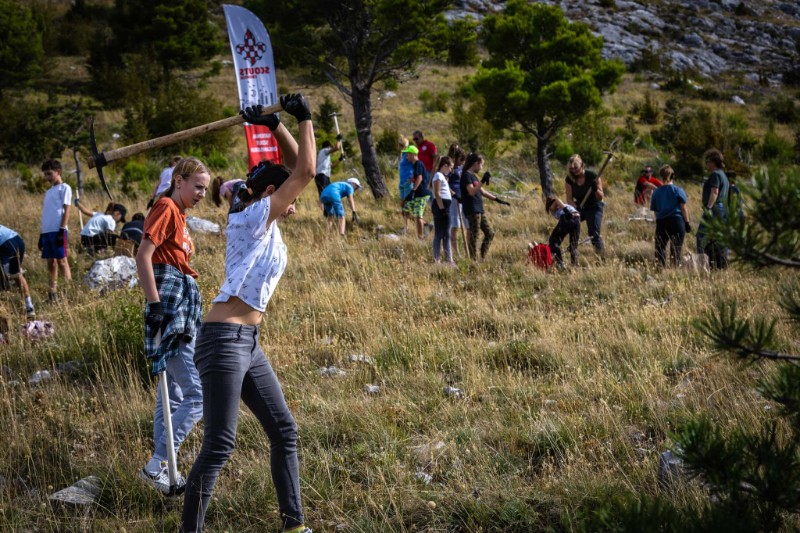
x=165, y=225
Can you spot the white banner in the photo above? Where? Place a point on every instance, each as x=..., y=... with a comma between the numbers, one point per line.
x=255, y=77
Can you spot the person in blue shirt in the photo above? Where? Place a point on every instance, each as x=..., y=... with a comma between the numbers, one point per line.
x=419, y=194
x=672, y=219
x=331, y=199
x=405, y=169
x=12, y=252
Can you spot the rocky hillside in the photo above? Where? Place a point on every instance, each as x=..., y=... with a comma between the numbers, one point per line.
x=754, y=37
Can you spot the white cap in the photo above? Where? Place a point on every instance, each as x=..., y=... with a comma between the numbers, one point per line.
x=355, y=183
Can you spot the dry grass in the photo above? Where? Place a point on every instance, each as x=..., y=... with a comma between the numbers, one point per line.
x=573, y=381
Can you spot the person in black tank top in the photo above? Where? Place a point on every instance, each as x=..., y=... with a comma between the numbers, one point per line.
x=584, y=191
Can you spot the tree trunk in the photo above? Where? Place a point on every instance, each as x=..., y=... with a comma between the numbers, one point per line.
x=543, y=163
x=362, y=111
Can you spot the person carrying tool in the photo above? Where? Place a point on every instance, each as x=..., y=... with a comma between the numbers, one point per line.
x=584, y=192
x=332, y=206
x=472, y=194
x=12, y=252
x=232, y=364
x=98, y=232
x=569, y=223
x=172, y=313
x=324, y=165
x=54, y=237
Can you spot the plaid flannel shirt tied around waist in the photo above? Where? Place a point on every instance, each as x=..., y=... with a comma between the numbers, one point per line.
x=180, y=299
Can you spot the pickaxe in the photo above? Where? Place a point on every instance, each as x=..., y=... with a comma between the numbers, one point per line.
x=609, y=156
x=100, y=159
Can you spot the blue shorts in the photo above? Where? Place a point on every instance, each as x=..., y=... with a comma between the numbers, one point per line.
x=52, y=246
x=333, y=206
x=11, y=253
x=404, y=190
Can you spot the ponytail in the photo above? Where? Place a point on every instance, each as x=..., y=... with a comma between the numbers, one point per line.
x=185, y=168
x=215, y=187
x=261, y=176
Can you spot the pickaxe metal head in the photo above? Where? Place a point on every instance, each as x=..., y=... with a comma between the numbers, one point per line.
x=98, y=160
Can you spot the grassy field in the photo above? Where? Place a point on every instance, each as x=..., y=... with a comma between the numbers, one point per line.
x=572, y=381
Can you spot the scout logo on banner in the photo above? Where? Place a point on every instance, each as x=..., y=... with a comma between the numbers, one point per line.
x=255, y=76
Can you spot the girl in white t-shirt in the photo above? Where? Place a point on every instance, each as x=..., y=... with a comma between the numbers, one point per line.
x=441, y=211
x=231, y=363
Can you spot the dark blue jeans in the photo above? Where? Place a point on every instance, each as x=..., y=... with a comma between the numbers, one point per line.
x=232, y=366
x=670, y=230
x=593, y=215
x=567, y=225
x=441, y=231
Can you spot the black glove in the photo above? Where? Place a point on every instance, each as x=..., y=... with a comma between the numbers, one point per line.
x=61, y=235
x=355, y=218
x=486, y=179
x=457, y=198
x=341, y=157
x=409, y=196
x=76, y=201
x=688, y=226
x=41, y=242
x=150, y=203
x=500, y=201
x=338, y=136
x=155, y=316
x=296, y=105
x=253, y=116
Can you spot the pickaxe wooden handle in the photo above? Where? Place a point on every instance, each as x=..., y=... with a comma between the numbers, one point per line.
x=100, y=159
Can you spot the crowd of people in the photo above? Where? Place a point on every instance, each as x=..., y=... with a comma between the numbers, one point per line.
x=214, y=362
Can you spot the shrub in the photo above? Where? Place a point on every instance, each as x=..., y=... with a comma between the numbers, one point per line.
x=136, y=176
x=648, y=111
x=459, y=39
x=775, y=148
x=386, y=143
x=432, y=103
x=782, y=109
x=472, y=131
x=323, y=121
x=31, y=183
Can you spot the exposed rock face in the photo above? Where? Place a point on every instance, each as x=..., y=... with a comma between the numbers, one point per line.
x=703, y=36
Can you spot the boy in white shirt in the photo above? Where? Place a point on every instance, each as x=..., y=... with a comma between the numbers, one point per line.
x=55, y=216
x=569, y=223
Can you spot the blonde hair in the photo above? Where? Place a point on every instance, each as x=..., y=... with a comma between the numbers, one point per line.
x=666, y=172
x=402, y=142
x=575, y=158
x=185, y=168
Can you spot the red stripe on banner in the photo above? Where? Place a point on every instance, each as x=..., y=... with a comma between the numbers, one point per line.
x=261, y=145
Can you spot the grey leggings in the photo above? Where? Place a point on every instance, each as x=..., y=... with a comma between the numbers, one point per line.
x=232, y=366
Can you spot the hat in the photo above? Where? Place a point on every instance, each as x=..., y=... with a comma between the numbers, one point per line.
x=410, y=150
x=122, y=211
x=354, y=182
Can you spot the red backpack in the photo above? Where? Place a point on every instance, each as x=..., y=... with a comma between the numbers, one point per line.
x=540, y=256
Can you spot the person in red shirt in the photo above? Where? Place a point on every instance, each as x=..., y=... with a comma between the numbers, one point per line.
x=427, y=150
x=645, y=186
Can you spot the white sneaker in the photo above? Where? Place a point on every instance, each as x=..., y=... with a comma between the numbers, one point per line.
x=160, y=482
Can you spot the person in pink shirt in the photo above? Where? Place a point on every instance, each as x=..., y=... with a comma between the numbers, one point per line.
x=427, y=150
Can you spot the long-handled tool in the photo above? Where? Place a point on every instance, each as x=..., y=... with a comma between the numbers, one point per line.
x=79, y=178
x=338, y=133
x=100, y=159
x=172, y=460
x=463, y=229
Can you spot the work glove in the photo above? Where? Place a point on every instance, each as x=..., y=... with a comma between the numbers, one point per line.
x=501, y=201
x=76, y=201
x=487, y=178
x=61, y=235
x=155, y=316
x=688, y=226
x=409, y=196
x=150, y=203
x=41, y=242
x=253, y=116
x=295, y=104
x=342, y=157
x=338, y=136
x=355, y=218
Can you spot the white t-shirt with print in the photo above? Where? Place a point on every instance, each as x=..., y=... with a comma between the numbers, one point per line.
x=98, y=224
x=55, y=199
x=255, y=257
x=444, y=192
x=324, y=162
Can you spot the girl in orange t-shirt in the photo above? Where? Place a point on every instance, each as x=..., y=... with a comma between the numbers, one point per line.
x=172, y=312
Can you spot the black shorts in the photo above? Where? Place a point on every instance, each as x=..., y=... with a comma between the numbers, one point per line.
x=321, y=180
x=12, y=252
